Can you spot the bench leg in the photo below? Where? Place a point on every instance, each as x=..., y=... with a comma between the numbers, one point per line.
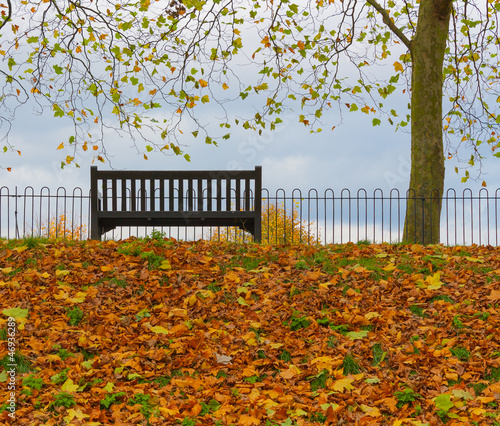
x=257, y=234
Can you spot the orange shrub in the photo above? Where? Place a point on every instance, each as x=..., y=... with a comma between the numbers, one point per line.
x=62, y=228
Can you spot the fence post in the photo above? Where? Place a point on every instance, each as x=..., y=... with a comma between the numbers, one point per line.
x=95, y=233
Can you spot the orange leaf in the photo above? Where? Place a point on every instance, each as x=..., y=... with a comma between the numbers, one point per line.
x=494, y=295
x=246, y=420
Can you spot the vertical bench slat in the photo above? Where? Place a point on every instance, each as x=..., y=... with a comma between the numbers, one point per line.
x=124, y=195
x=171, y=196
x=190, y=194
x=209, y=194
x=181, y=195
x=228, y=194
x=200, y=195
x=219, y=194
x=114, y=200
x=152, y=195
x=143, y=195
x=162, y=195
x=133, y=199
x=105, y=195
x=238, y=195
x=247, y=195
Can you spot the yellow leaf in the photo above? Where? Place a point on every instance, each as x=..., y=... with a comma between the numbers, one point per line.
x=167, y=412
x=324, y=362
x=79, y=415
x=61, y=146
x=205, y=99
x=69, y=386
x=343, y=384
x=370, y=411
x=6, y=270
x=106, y=268
x=225, y=86
x=165, y=265
x=60, y=273
x=21, y=249
x=79, y=298
x=398, y=67
x=191, y=300
x=390, y=267
x=160, y=330
x=203, y=83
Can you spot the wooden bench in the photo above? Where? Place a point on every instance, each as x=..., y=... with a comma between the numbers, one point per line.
x=175, y=198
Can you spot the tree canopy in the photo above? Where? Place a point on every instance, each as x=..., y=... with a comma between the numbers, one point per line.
x=123, y=65
x=151, y=69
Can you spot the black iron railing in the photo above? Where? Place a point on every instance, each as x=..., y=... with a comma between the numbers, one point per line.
x=313, y=217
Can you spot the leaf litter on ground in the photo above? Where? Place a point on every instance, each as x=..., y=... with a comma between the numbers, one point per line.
x=201, y=333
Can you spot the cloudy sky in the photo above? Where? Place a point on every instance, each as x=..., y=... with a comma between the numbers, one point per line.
x=354, y=155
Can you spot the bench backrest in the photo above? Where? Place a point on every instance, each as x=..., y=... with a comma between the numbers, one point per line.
x=180, y=191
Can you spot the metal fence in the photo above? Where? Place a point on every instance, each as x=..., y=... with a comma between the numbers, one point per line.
x=314, y=217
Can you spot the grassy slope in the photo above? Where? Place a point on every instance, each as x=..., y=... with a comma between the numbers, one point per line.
x=163, y=332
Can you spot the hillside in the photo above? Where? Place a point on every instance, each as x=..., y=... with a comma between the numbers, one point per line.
x=163, y=332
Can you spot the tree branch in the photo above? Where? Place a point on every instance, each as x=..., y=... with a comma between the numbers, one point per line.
x=9, y=15
x=387, y=21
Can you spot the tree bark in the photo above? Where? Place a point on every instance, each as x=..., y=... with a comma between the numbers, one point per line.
x=422, y=222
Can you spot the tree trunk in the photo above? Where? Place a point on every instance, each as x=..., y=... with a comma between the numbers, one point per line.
x=427, y=158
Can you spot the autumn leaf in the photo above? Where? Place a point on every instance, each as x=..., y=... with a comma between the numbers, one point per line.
x=15, y=312
x=246, y=420
x=398, y=67
x=159, y=329
x=69, y=386
x=343, y=384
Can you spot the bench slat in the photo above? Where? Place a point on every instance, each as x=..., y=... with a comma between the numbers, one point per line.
x=104, y=194
x=247, y=194
x=124, y=194
x=133, y=197
x=209, y=195
x=200, y=195
x=238, y=195
x=228, y=195
x=219, y=194
x=180, y=207
x=190, y=195
x=152, y=195
x=176, y=174
x=114, y=198
x=162, y=195
x=143, y=194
